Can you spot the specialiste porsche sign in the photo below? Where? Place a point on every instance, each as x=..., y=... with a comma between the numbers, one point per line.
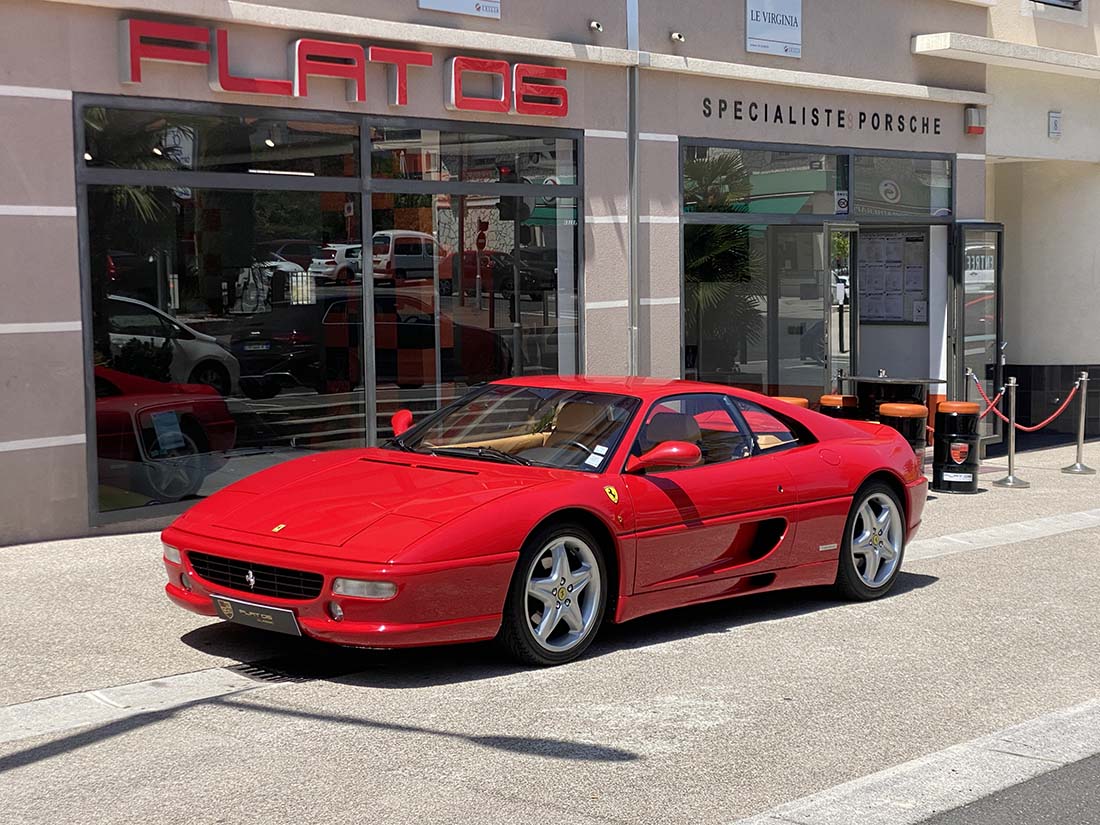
x=519, y=88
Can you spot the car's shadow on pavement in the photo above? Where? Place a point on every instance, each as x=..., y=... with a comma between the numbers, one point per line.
x=307, y=660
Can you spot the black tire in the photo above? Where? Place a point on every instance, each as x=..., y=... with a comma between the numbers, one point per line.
x=850, y=583
x=212, y=374
x=516, y=633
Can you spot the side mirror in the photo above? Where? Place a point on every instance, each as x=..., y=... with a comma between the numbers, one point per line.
x=666, y=454
x=401, y=421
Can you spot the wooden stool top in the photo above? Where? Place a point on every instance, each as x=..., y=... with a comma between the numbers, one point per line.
x=839, y=401
x=962, y=407
x=903, y=411
x=790, y=399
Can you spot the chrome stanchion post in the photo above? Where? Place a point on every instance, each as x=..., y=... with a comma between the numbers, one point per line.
x=1011, y=480
x=1079, y=468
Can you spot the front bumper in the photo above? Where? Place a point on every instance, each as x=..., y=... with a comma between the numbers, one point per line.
x=435, y=603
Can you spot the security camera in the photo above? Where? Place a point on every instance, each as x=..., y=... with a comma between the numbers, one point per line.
x=677, y=37
x=595, y=25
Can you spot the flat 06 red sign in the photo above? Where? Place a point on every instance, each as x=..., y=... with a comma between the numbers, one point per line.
x=520, y=88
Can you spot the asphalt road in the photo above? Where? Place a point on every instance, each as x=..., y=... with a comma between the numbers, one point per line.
x=706, y=714
x=1068, y=796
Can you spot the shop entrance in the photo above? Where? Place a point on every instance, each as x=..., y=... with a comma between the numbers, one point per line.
x=976, y=328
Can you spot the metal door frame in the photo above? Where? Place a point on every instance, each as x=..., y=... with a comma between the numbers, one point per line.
x=852, y=229
x=956, y=368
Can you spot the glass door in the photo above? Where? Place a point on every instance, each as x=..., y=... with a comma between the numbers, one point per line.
x=977, y=328
x=841, y=322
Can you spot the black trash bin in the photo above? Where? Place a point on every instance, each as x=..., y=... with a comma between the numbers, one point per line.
x=911, y=421
x=955, y=450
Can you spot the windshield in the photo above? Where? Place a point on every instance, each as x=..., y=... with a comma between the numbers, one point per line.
x=528, y=425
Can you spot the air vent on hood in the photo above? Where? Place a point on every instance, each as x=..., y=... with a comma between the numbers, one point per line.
x=421, y=466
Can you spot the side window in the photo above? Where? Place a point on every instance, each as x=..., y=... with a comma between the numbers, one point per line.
x=408, y=246
x=132, y=320
x=770, y=431
x=702, y=419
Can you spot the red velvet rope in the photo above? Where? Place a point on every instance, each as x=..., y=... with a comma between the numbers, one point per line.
x=1021, y=427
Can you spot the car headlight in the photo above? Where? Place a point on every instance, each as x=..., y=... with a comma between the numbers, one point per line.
x=359, y=589
x=171, y=553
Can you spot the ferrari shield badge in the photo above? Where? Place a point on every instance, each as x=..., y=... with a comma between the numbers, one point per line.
x=277, y=528
x=612, y=494
x=959, y=451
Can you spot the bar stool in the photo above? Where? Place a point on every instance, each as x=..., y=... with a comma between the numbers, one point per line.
x=908, y=419
x=840, y=406
x=804, y=403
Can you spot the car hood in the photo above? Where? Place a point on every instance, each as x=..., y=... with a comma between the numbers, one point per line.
x=403, y=496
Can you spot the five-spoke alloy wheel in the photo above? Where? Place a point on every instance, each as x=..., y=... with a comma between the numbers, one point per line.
x=874, y=543
x=558, y=596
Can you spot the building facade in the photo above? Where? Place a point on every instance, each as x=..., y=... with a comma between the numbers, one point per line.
x=1043, y=150
x=770, y=194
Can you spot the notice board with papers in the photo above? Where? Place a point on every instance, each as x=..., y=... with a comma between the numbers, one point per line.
x=892, y=276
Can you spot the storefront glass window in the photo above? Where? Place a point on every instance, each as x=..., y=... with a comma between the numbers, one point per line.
x=726, y=304
x=500, y=275
x=902, y=187
x=429, y=154
x=756, y=181
x=755, y=307
x=228, y=323
x=220, y=347
x=165, y=141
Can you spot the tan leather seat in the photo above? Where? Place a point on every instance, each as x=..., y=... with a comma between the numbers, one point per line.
x=666, y=426
x=576, y=421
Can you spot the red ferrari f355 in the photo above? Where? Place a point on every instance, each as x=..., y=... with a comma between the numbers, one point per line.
x=534, y=509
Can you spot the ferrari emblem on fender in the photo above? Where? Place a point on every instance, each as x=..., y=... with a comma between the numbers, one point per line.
x=226, y=608
x=250, y=580
x=612, y=494
x=959, y=451
x=277, y=528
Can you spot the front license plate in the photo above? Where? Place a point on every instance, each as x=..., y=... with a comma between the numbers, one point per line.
x=257, y=615
x=256, y=347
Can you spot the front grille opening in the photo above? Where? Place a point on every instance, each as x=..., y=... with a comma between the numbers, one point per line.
x=280, y=582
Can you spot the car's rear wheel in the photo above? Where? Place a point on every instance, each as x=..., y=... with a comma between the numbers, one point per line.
x=212, y=375
x=557, y=598
x=874, y=544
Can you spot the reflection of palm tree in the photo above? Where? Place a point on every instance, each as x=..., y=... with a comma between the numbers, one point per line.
x=723, y=273
x=114, y=139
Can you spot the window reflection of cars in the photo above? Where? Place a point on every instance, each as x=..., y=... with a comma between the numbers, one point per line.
x=197, y=358
x=300, y=252
x=338, y=262
x=158, y=439
x=400, y=256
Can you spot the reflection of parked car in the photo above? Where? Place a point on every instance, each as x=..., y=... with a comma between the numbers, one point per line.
x=338, y=262
x=296, y=251
x=197, y=358
x=494, y=268
x=402, y=255
x=158, y=439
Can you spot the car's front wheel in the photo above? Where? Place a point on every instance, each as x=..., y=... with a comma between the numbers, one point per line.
x=557, y=598
x=874, y=544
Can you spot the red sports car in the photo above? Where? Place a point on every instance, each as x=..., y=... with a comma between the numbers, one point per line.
x=533, y=509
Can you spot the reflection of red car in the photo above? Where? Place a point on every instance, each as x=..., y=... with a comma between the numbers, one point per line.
x=158, y=439
x=534, y=508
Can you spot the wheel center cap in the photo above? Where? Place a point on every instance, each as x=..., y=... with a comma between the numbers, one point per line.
x=561, y=594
